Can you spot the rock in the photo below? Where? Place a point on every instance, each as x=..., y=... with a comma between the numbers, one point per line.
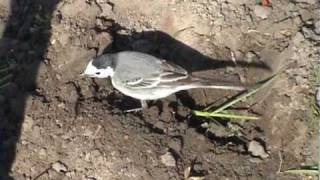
x=262, y=11
x=256, y=149
x=107, y=10
x=168, y=160
x=317, y=27
x=251, y=57
x=59, y=167
x=71, y=174
x=310, y=34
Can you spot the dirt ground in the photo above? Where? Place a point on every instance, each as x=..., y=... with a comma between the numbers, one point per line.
x=56, y=125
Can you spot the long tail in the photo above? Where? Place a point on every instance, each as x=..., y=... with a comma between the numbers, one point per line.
x=196, y=82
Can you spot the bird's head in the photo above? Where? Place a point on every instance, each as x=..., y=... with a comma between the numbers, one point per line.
x=100, y=67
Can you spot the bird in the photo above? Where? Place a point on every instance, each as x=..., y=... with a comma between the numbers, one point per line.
x=146, y=77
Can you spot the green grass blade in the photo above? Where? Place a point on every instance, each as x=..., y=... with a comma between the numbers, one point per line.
x=246, y=94
x=6, y=78
x=5, y=70
x=225, y=115
x=302, y=171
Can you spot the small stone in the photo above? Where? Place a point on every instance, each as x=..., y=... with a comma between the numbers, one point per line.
x=24, y=142
x=59, y=167
x=71, y=174
x=197, y=167
x=251, y=57
x=317, y=27
x=106, y=10
x=230, y=70
x=61, y=105
x=168, y=160
x=310, y=34
x=53, y=41
x=257, y=150
x=262, y=11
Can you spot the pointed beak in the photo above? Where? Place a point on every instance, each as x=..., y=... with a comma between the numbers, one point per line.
x=83, y=75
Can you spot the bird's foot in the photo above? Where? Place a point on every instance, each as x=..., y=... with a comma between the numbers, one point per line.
x=144, y=105
x=134, y=110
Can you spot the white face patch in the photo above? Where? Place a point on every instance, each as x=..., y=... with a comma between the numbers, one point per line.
x=92, y=71
x=107, y=72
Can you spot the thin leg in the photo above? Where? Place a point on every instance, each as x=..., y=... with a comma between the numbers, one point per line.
x=144, y=105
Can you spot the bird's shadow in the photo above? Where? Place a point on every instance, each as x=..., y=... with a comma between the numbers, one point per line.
x=165, y=46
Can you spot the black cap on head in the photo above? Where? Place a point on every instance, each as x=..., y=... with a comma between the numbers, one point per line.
x=104, y=61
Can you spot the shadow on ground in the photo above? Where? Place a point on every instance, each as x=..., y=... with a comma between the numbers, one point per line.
x=23, y=45
x=165, y=46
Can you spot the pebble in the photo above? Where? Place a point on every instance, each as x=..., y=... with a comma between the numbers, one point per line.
x=168, y=160
x=317, y=27
x=59, y=167
x=250, y=57
x=71, y=174
x=310, y=34
x=257, y=149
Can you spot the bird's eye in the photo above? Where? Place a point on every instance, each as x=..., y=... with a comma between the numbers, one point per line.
x=97, y=73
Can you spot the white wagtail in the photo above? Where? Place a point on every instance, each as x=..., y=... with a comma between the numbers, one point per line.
x=146, y=77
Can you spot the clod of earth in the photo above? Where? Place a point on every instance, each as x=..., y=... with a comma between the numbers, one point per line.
x=257, y=149
x=59, y=167
x=168, y=160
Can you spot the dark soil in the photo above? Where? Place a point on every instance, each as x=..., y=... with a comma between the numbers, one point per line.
x=56, y=125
